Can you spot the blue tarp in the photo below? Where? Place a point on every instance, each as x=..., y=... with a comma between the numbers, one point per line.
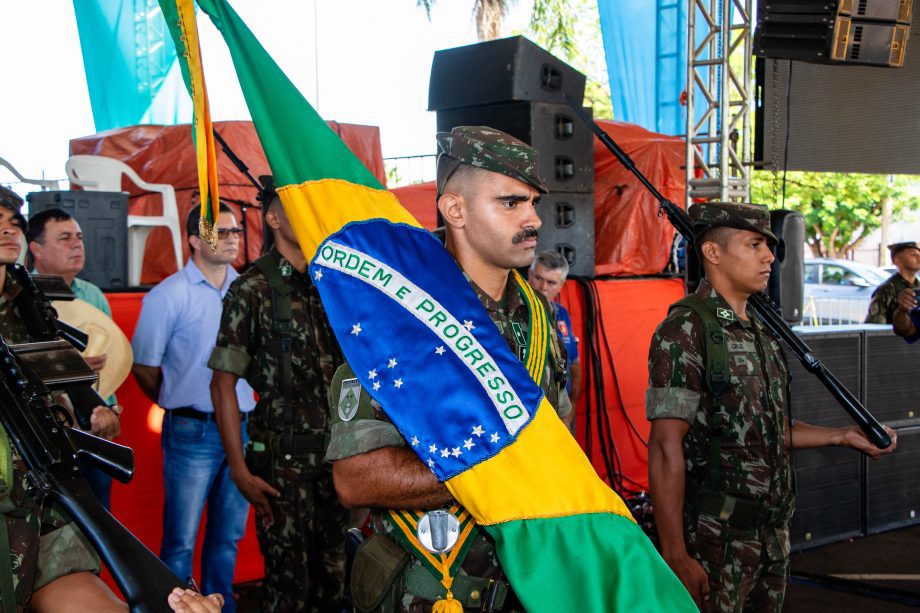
x=646, y=48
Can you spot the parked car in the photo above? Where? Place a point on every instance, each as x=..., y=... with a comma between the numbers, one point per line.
x=838, y=291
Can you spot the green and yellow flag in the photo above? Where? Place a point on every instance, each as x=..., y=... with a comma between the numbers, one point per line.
x=424, y=347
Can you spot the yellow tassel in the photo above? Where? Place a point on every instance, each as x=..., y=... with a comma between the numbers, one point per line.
x=447, y=605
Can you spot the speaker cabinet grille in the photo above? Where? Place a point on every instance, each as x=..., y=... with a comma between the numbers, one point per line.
x=893, y=486
x=892, y=377
x=829, y=504
x=841, y=353
x=568, y=229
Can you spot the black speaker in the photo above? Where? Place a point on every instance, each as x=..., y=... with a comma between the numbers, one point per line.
x=892, y=377
x=103, y=217
x=787, y=275
x=828, y=480
x=568, y=229
x=892, y=487
x=565, y=143
x=872, y=32
x=500, y=71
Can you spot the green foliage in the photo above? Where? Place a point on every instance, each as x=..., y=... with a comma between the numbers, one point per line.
x=840, y=209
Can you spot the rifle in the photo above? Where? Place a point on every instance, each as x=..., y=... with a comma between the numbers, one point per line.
x=50, y=448
x=34, y=306
x=760, y=303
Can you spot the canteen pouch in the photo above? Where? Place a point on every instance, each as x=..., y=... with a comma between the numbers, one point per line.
x=378, y=565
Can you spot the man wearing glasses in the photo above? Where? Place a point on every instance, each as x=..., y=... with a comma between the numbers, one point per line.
x=174, y=337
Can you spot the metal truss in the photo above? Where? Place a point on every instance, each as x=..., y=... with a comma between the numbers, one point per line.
x=719, y=100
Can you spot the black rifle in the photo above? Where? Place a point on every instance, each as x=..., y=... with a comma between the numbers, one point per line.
x=761, y=304
x=50, y=448
x=34, y=306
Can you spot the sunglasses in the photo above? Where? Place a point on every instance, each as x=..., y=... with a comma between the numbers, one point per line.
x=223, y=233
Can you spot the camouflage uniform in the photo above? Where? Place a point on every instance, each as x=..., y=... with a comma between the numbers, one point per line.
x=44, y=544
x=368, y=428
x=365, y=428
x=885, y=299
x=304, y=549
x=736, y=513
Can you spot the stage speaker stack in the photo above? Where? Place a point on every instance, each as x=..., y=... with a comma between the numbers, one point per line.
x=103, y=217
x=514, y=86
x=787, y=274
x=829, y=480
x=868, y=32
x=892, y=384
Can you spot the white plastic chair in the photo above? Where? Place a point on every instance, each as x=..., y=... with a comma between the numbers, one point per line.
x=103, y=174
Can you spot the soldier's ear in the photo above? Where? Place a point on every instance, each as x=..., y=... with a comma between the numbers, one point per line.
x=452, y=209
x=711, y=252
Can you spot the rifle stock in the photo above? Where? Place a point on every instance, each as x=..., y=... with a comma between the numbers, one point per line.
x=49, y=450
x=759, y=302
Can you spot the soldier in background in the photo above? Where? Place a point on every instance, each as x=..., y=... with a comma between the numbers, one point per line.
x=724, y=525
x=274, y=333
x=884, y=303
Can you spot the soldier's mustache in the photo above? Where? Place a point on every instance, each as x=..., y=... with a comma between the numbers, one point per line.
x=523, y=235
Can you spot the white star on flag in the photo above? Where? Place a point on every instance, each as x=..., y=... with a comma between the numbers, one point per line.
x=376, y=385
x=415, y=441
x=398, y=383
x=432, y=448
x=430, y=463
x=318, y=275
x=494, y=438
x=392, y=363
x=445, y=453
x=468, y=324
x=456, y=452
x=478, y=431
x=440, y=350
x=469, y=444
x=372, y=374
x=356, y=329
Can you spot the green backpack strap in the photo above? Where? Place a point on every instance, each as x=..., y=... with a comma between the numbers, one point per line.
x=717, y=377
x=281, y=321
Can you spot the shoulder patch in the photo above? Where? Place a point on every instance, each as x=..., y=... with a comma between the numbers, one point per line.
x=349, y=399
x=726, y=314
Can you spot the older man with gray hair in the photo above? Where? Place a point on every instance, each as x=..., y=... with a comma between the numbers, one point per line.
x=547, y=275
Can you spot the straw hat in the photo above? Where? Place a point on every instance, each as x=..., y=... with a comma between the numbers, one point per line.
x=104, y=337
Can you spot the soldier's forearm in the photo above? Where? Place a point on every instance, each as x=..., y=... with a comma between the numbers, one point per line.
x=902, y=324
x=227, y=414
x=388, y=478
x=667, y=484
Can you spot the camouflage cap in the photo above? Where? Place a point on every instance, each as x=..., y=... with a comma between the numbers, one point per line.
x=489, y=149
x=11, y=200
x=753, y=217
x=896, y=248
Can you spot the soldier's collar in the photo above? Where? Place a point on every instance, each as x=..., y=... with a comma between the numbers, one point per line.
x=720, y=307
x=510, y=301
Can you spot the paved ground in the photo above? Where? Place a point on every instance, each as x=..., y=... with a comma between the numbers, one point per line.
x=879, y=573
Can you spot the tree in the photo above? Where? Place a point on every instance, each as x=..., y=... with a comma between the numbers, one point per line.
x=840, y=209
x=489, y=15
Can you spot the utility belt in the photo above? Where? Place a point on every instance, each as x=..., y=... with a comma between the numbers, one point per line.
x=744, y=513
x=383, y=571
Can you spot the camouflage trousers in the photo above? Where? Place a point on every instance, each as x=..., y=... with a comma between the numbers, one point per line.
x=304, y=549
x=742, y=577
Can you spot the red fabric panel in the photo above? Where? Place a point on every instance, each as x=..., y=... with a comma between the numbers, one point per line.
x=421, y=201
x=629, y=312
x=629, y=237
x=139, y=504
x=164, y=154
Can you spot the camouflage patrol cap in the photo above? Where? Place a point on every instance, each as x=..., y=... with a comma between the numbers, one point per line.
x=489, y=149
x=11, y=200
x=896, y=248
x=753, y=217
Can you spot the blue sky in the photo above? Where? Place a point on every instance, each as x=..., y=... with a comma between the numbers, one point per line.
x=373, y=65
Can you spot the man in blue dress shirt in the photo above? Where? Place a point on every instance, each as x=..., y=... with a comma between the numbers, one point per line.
x=175, y=334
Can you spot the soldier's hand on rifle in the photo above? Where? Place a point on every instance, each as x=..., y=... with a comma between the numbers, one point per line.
x=854, y=437
x=256, y=491
x=691, y=574
x=188, y=601
x=96, y=362
x=105, y=422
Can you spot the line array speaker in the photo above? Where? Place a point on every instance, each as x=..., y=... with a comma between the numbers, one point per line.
x=103, y=217
x=501, y=70
x=568, y=229
x=565, y=143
